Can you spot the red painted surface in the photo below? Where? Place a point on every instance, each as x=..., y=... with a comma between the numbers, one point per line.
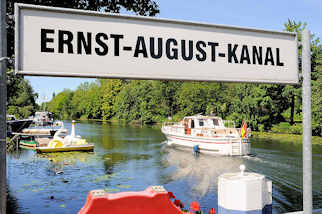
x=212, y=211
x=195, y=206
x=145, y=202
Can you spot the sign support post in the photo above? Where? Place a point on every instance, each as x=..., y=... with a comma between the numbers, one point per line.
x=3, y=100
x=307, y=123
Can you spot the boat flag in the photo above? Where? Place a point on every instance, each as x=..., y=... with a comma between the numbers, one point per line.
x=244, y=129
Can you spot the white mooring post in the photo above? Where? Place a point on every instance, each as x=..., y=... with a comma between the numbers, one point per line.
x=244, y=192
x=3, y=100
x=307, y=123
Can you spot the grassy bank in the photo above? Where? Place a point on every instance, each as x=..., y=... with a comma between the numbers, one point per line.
x=291, y=138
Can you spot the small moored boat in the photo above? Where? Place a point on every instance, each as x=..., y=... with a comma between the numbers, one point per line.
x=68, y=143
x=14, y=125
x=209, y=134
x=49, y=130
x=43, y=118
x=72, y=148
x=27, y=142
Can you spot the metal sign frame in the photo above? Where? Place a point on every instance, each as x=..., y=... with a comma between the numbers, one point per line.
x=221, y=70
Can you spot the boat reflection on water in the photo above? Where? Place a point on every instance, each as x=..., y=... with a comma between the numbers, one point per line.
x=59, y=162
x=202, y=171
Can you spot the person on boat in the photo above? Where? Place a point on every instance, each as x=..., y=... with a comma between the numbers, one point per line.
x=196, y=150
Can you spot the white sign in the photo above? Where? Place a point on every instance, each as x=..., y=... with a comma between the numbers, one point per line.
x=66, y=42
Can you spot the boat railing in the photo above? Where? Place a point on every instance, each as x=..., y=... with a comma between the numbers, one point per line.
x=217, y=131
x=173, y=127
x=177, y=127
x=170, y=123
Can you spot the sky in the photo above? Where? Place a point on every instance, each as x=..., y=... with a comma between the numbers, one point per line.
x=262, y=14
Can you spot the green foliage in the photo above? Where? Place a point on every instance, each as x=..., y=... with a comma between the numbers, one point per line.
x=284, y=138
x=110, y=90
x=293, y=93
x=60, y=105
x=86, y=101
x=285, y=128
x=136, y=102
x=191, y=98
x=164, y=94
x=126, y=104
x=317, y=106
x=21, y=97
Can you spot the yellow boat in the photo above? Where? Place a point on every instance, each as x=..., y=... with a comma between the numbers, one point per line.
x=58, y=145
x=86, y=148
x=68, y=144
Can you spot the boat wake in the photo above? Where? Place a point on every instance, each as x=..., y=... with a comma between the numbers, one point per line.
x=203, y=171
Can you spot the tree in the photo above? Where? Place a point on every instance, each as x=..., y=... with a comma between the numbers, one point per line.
x=164, y=94
x=86, y=101
x=191, y=98
x=133, y=102
x=317, y=94
x=95, y=99
x=60, y=105
x=294, y=92
x=110, y=90
x=139, y=7
x=79, y=101
x=21, y=97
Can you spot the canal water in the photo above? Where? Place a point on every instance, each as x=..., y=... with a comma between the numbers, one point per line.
x=130, y=158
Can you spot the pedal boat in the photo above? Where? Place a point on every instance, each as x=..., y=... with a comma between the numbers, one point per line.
x=69, y=143
x=71, y=148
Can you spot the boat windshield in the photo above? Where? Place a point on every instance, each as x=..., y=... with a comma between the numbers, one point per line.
x=215, y=122
x=201, y=122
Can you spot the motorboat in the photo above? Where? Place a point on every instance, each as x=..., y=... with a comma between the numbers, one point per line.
x=208, y=134
x=48, y=130
x=43, y=118
x=28, y=142
x=14, y=125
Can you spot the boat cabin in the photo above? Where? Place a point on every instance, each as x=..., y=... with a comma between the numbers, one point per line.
x=43, y=118
x=202, y=122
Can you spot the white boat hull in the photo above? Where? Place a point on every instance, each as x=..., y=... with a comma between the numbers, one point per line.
x=218, y=145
